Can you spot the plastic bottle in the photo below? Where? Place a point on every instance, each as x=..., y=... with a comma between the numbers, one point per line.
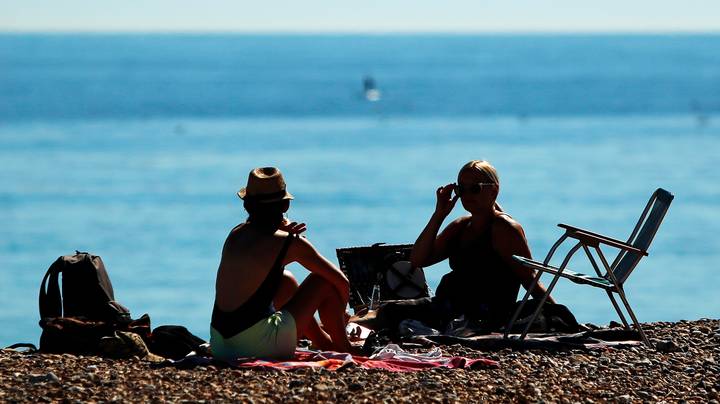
x=374, y=297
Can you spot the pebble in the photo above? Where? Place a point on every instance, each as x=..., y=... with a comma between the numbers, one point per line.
x=48, y=377
x=321, y=387
x=645, y=395
x=625, y=398
x=643, y=362
x=666, y=346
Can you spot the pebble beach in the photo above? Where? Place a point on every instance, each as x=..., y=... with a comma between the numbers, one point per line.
x=684, y=366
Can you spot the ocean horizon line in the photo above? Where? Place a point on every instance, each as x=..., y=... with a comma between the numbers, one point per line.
x=707, y=115
x=365, y=33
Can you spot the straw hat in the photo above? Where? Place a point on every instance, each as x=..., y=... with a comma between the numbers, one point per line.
x=265, y=185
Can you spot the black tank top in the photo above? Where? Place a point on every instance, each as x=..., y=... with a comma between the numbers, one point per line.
x=259, y=306
x=481, y=284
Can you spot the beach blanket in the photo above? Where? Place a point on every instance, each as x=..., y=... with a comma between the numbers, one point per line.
x=588, y=340
x=391, y=358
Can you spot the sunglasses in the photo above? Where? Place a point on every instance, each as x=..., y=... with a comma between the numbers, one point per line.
x=471, y=189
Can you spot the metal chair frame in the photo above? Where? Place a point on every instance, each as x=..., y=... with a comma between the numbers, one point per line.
x=615, y=274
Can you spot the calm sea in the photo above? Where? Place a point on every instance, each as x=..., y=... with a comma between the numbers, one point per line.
x=132, y=147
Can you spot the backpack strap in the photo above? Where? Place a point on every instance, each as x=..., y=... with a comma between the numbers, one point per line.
x=50, y=303
x=29, y=348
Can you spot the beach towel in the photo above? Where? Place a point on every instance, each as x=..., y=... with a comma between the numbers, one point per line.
x=391, y=358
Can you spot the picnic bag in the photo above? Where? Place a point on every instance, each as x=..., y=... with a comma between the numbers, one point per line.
x=381, y=272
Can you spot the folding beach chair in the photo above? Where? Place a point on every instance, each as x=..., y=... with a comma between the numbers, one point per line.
x=385, y=268
x=631, y=251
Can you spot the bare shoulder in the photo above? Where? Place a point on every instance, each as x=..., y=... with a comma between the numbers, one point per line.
x=300, y=247
x=454, y=227
x=243, y=239
x=508, y=228
x=509, y=237
x=458, y=223
x=233, y=239
x=461, y=220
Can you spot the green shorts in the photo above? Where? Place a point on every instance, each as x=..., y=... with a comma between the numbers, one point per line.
x=274, y=337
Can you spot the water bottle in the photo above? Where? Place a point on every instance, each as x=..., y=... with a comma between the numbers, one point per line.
x=374, y=297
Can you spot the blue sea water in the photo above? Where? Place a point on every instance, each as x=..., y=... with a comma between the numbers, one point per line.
x=132, y=147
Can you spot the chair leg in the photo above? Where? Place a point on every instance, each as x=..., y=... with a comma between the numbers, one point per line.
x=617, y=309
x=550, y=288
x=515, y=315
x=540, y=305
x=634, y=319
x=532, y=287
x=608, y=270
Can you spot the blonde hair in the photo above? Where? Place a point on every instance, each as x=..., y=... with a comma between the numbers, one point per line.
x=482, y=167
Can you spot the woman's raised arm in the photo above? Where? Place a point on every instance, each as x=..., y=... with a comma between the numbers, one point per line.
x=430, y=248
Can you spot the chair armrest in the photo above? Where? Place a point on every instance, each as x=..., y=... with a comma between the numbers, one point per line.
x=594, y=238
x=573, y=228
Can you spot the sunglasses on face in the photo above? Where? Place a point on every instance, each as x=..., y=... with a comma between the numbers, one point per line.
x=472, y=188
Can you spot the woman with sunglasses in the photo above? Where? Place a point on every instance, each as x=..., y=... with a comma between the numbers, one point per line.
x=485, y=280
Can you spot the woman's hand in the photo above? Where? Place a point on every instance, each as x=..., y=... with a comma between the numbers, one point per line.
x=292, y=227
x=445, y=200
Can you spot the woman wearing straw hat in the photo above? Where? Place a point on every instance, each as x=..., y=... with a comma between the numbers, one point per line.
x=260, y=311
x=485, y=280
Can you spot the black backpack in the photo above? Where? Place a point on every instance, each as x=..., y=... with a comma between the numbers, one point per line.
x=86, y=290
x=174, y=342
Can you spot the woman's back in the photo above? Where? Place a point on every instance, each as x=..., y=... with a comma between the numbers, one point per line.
x=248, y=259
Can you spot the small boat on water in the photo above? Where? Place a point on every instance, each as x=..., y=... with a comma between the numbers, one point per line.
x=371, y=91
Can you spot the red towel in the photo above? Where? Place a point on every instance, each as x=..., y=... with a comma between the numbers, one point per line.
x=335, y=360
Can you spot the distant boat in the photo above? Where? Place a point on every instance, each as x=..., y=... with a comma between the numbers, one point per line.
x=372, y=93
x=700, y=116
